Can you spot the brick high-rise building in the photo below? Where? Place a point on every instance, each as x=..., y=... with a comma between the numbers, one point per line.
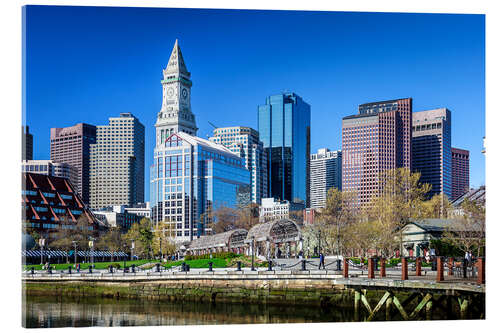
x=378, y=138
x=431, y=149
x=459, y=172
x=72, y=145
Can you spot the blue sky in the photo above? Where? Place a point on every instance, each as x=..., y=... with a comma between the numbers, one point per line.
x=86, y=64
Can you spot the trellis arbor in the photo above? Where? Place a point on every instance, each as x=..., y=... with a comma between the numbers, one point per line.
x=229, y=241
x=267, y=237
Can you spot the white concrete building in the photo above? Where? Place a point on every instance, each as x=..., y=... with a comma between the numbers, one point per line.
x=140, y=209
x=117, y=163
x=272, y=209
x=49, y=168
x=326, y=172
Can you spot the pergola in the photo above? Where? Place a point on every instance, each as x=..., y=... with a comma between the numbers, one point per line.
x=232, y=240
x=265, y=236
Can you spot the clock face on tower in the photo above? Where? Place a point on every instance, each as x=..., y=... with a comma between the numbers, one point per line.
x=184, y=93
x=170, y=92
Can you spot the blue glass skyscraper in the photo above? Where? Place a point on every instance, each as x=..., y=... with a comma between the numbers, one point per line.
x=285, y=130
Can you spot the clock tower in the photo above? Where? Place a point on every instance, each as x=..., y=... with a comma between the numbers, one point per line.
x=175, y=114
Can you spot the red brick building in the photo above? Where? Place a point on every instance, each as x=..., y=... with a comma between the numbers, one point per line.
x=50, y=203
x=459, y=172
x=378, y=138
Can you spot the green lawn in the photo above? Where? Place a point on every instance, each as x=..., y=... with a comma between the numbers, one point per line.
x=98, y=265
x=200, y=263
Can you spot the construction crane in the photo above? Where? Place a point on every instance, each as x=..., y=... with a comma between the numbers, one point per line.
x=215, y=127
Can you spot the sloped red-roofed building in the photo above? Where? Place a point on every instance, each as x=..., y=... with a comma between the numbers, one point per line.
x=50, y=203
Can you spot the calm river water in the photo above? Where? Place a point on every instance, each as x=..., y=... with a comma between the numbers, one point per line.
x=49, y=311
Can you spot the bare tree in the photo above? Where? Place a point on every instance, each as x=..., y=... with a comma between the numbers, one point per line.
x=111, y=241
x=335, y=217
x=467, y=232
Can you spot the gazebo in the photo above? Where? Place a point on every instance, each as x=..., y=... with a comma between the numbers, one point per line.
x=230, y=241
x=267, y=237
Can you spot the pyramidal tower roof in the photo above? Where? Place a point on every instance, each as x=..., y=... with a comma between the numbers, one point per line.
x=176, y=62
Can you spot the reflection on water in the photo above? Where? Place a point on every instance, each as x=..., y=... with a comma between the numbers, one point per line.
x=83, y=312
x=53, y=311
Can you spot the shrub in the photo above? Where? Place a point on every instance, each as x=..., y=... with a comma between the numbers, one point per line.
x=220, y=255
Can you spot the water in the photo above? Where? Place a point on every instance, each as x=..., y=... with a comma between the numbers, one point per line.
x=53, y=311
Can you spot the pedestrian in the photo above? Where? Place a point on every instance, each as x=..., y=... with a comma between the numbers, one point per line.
x=321, y=260
x=468, y=258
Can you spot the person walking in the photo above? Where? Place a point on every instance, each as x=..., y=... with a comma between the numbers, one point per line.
x=321, y=260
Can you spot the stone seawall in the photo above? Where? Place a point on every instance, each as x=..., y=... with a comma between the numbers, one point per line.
x=249, y=288
x=307, y=292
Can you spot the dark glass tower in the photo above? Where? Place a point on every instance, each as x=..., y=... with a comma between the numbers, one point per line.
x=285, y=130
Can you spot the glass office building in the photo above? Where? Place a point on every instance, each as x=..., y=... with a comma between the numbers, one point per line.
x=244, y=141
x=285, y=130
x=190, y=178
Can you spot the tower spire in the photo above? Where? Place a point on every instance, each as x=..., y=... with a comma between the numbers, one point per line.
x=176, y=62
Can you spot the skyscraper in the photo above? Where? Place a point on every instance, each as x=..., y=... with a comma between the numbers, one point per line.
x=285, y=130
x=191, y=178
x=244, y=142
x=27, y=144
x=117, y=163
x=378, y=138
x=72, y=145
x=459, y=172
x=431, y=149
x=326, y=172
x=175, y=114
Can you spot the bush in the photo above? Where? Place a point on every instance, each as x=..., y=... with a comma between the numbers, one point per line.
x=114, y=265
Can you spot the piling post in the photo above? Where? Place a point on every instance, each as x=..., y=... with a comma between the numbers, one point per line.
x=464, y=307
x=388, y=306
x=404, y=268
x=418, y=266
x=357, y=298
x=428, y=310
x=440, y=273
x=382, y=267
x=481, y=277
x=371, y=269
x=346, y=268
x=450, y=266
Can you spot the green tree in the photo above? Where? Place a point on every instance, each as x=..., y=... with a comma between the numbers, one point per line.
x=402, y=197
x=142, y=235
x=438, y=207
x=163, y=236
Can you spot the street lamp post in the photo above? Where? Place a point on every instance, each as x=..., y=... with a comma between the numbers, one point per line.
x=91, y=245
x=319, y=242
x=132, y=247
x=124, y=259
x=74, y=243
x=41, y=242
x=253, y=253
